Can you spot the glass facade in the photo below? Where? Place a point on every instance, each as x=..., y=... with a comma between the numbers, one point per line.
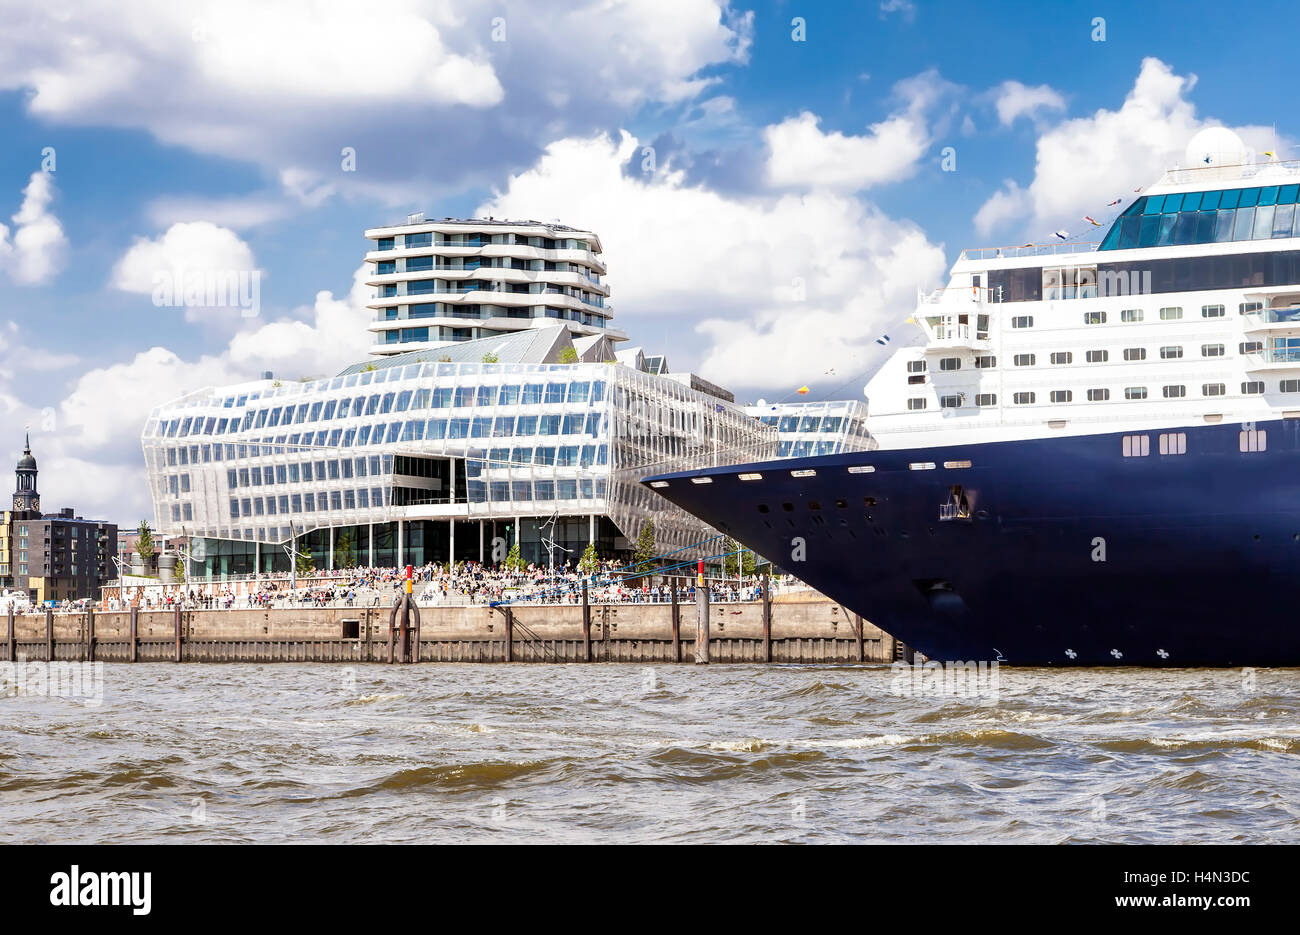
x=1264, y=213
x=818, y=428
x=263, y=462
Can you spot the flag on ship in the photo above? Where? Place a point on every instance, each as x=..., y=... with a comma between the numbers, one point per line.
x=882, y=340
x=1091, y=221
x=1064, y=235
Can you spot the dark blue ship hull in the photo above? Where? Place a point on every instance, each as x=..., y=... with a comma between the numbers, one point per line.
x=1052, y=551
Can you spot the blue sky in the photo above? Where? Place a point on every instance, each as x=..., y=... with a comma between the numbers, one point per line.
x=199, y=131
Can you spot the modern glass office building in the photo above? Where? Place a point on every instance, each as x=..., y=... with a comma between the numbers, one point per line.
x=423, y=456
x=444, y=281
x=816, y=428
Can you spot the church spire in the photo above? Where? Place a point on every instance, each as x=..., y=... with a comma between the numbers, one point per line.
x=26, y=497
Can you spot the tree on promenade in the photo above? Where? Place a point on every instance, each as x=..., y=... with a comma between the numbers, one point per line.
x=590, y=561
x=645, y=543
x=144, y=544
x=306, y=565
x=514, y=561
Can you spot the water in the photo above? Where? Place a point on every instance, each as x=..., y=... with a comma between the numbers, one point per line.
x=457, y=753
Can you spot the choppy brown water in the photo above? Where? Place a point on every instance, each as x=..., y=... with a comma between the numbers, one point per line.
x=458, y=753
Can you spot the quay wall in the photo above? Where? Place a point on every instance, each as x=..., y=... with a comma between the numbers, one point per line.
x=815, y=631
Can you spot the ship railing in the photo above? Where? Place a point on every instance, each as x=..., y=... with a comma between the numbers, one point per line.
x=946, y=295
x=1274, y=355
x=1282, y=168
x=1028, y=249
x=1274, y=315
x=1060, y=414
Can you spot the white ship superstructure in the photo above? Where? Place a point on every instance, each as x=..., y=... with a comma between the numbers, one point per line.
x=1185, y=313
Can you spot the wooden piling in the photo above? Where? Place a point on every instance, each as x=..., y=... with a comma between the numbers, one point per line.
x=11, y=641
x=49, y=634
x=767, y=619
x=677, y=622
x=133, y=651
x=510, y=635
x=90, y=634
x=415, y=632
x=586, y=624
x=857, y=632
x=177, y=624
x=702, y=624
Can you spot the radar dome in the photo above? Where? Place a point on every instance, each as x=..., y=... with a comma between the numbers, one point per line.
x=1214, y=147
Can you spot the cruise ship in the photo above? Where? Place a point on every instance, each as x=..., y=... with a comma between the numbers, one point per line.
x=1093, y=458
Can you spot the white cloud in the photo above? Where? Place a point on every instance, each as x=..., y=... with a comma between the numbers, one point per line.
x=905, y=8
x=238, y=213
x=287, y=85
x=729, y=266
x=38, y=246
x=1004, y=206
x=1085, y=162
x=191, y=257
x=94, y=430
x=800, y=155
x=1013, y=100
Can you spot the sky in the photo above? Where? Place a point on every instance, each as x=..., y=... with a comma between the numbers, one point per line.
x=772, y=182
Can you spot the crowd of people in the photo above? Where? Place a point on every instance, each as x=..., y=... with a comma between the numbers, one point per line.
x=436, y=584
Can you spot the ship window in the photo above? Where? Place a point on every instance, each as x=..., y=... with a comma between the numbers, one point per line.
x=1131, y=314
x=915, y=403
x=1173, y=443
x=1094, y=318
x=787, y=507
x=1252, y=387
x=1213, y=389
x=950, y=402
x=1062, y=357
x=1135, y=353
x=1245, y=308
x=1098, y=396
x=1171, y=352
x=1174, y=391
x=1211, y=350
x=1250, y=347
x=1289, y=386
x=1252, y=440
x=949, y=363
x=763, y=508
x=1135, y=392
x=1022, y=321
x=1097, y=357
x=986, y=399
x=921, y=466
x=916, y=366
x=1137, y=446
x=986, y=362
x=1023, y=399
x=1024, y=360
x=1212, y=311
x=1062, y=396
x=1171, y=313
x=915, y=379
